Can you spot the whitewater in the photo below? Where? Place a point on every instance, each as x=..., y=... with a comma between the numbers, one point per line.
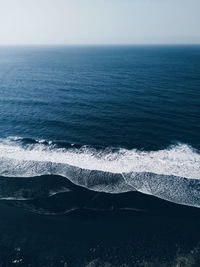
x=172, y=173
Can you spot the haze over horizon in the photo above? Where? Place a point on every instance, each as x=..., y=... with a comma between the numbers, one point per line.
x=66, y=22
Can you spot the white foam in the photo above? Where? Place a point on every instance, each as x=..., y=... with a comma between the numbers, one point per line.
x=160, y=173
x=180, y=160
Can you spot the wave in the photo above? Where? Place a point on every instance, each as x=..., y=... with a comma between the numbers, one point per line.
x=172, y=174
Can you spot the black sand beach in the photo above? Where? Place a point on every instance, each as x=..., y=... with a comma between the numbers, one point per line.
x=156, y=233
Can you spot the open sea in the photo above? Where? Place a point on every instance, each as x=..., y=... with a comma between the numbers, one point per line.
x=96, y=141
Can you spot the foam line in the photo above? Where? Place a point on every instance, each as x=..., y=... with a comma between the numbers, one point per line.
x=180, y=160
x=172, y=174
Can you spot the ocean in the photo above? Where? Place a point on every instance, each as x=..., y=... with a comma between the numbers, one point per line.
x=93, y=134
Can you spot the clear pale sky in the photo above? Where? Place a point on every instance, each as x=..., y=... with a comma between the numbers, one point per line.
x=99, y=21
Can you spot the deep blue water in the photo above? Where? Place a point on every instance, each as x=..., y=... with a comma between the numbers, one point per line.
x=132, y=97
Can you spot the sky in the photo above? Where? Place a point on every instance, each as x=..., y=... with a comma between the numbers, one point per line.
x=99, y=22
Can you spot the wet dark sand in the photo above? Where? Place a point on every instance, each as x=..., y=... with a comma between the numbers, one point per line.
x=162, y=234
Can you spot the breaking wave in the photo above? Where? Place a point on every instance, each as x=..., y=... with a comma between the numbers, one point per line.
x=172, y=174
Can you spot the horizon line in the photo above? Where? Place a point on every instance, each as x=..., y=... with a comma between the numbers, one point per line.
x=104, y=44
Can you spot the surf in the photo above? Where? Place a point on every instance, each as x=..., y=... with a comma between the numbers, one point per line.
x=172, y=174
